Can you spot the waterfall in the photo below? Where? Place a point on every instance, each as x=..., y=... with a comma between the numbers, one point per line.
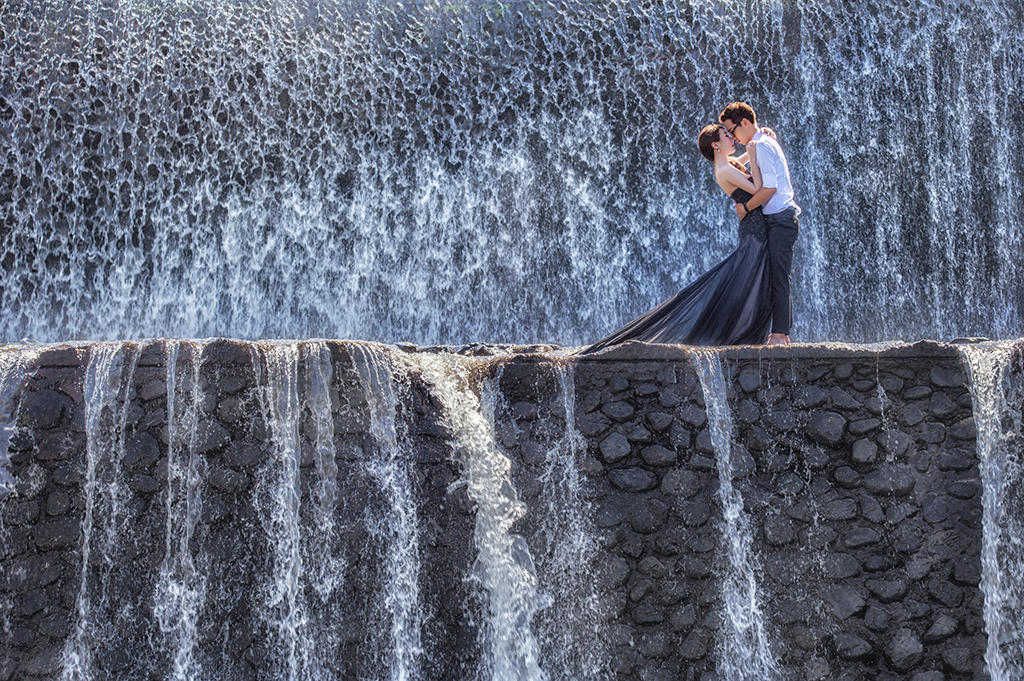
x=504, y=565
x=568, y=549
x=997, y=414
x=390, y=469
x=181, y=587
x=107, y=383
x=744, y=648
x=208, y=167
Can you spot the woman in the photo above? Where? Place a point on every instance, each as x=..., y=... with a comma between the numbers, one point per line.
x=728, y=304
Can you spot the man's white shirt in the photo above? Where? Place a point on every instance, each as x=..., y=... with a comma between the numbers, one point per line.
x=774, y=173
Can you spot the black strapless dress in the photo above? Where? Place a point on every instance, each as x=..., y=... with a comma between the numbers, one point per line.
x=727, y=305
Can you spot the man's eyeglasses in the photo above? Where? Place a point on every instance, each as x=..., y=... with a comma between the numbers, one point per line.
x=732, y=133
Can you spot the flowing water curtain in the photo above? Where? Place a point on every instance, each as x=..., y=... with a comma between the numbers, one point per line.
x=996, y=372
x=504, y=567
x=100, y=620
x=207, y=168
x=744, y=644
x=571, y=625
x=184, y=576
x=379, y=374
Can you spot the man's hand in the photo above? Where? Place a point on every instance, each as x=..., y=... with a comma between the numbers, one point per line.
x=770, y=133
x=741, y=212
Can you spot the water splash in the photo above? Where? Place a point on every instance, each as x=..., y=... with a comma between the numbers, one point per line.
x=181, y=587
x=210, y=167
x=390, y=469
x=745, y=652
x=504, y=565
x=998, y=402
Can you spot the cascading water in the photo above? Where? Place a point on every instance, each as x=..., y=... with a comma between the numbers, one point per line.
x=571, y=625
x=390, y=469
x=998, y=401
x=181, y=587
x=206, y=167
x=107, y=382
x=504, y=565
x=745, y=652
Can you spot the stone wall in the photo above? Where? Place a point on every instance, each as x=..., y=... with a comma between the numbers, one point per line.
x=148, y=534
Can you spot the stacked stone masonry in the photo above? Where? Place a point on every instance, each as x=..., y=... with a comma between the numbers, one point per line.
x=857, y=468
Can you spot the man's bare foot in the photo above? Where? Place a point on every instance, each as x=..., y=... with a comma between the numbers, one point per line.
x=778, y=339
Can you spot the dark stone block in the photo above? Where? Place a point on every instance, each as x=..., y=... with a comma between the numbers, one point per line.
x=931, y=433
x=21, y=513
x=243, y=455
x=141, y=451
x=895, y=443
x=43, y=661
x=56, y=534
x=613, y=572
x=748, y=412
x=928, y=676
x=211, y=436
x=917, y=392
x=618, y=411
x=58, y=503
x=649, y=517
x=947, y=378
x=826, y=427
x=614, y=448
x=144, y=484
x=750, y=380
x=658, y=420
x=645, y=613
x=864, y=451
x=911, y=415
x=656, y=455
x=876, y=618
x=887, y=590
x=841, y=399
x=693, y=416
x=945, y=592
x=695, y=645
x=683, y=618
x=904, y=650
x=890, y=479
x=940, y=405
x=780, y=418
x=225, y=352
x=871, y=509
x=964, y=489
x=839, y=566
x=851, y=647
x=60, y=446
x=809, y=396
x=959, y=659
x=942, y=628
x=680, y=482
x=860, y=536
x=633, y=479
x=840, y=509
x=864, y=426
x=41, y=409
x=694, y=567
x=843, y=601
x=843, y=371
x=846, y=477
x=937, y=509
x=778, y=531
x=694, y=513
x=618, y=383
x=964, y=429
x=967, y=570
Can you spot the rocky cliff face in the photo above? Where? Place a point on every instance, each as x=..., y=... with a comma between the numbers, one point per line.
x=226, y=510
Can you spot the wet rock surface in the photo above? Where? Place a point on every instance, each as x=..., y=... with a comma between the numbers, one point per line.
x=865, y=512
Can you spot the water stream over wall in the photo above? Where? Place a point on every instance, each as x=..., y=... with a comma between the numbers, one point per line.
x=745, y=651
x=998, y=395
x=406, y=172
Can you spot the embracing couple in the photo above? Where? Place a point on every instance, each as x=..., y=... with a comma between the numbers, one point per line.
x=742, y=298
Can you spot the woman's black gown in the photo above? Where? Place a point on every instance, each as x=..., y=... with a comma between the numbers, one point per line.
x=727, y=305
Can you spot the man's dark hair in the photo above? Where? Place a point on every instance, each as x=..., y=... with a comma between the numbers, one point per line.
x=736, y=112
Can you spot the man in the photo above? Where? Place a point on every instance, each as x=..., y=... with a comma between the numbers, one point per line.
x=780, y=211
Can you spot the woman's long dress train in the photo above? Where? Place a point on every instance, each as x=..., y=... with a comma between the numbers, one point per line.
x=727, y=305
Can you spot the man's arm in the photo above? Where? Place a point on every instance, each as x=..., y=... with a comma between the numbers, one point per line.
x=769, y=181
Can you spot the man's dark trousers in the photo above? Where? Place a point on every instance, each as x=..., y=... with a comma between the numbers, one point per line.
x=783, y=228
